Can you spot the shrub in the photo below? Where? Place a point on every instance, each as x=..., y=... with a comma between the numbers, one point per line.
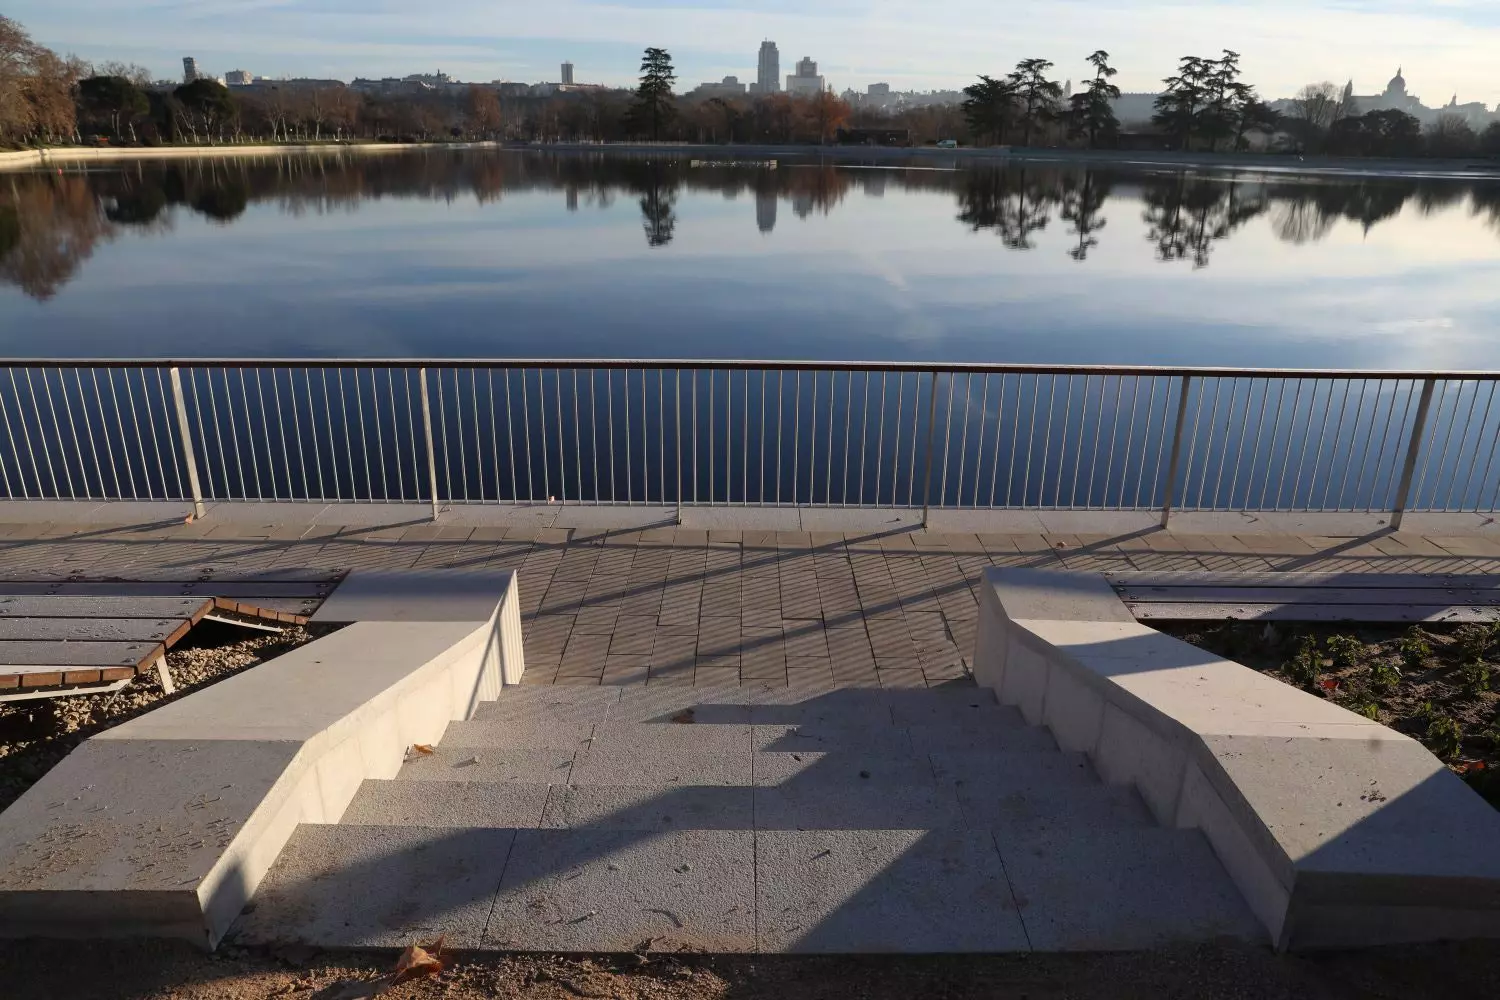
x=1345, y=651
x=1305, y=667
x=1368, y=709
x=1474, y=640
x=1414, y=648
x=1384, y=677
x=1444, y=737
x=1475, y=677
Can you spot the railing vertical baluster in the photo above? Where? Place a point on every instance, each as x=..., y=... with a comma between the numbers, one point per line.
x=184, y=430
x=931, y=428
x=1413, y=452
x=1171, y=484
x=677, y=404
x=526, y=435
x=432, y=478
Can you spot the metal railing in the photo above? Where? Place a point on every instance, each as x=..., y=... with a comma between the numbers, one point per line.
x=683, y=433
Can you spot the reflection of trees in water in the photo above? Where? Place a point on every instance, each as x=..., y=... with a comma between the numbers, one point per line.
x=1082, y=198
x=1185, y=216
x=1014, y=203
x=48, y=227
x=1186, y=213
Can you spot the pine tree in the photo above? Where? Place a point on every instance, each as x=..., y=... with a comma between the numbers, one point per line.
x=653, y=98
x=1091, y=113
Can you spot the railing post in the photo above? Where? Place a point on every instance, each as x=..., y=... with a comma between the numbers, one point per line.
x=1171, y=488
x=432, y=481
x=1413, y=452
x=931, y=431
x=189, y=458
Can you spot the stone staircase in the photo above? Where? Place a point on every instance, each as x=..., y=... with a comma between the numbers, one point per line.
x=612, y=819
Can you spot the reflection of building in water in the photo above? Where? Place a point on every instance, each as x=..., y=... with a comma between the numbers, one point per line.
x=572, y=199
x=765, y=209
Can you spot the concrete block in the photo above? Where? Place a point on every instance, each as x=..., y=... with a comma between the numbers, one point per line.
x=447, y=804
x=1056, y=596
x=416, y=596
x=612, y=890
x=866, y=805
x=1074, y=711
x=653, y=808
x=378, y=887
x=840, y=769
x=490, y=764
x=883, y=891
x=1122, y=889
x=1025, y=680
x=1130, y=753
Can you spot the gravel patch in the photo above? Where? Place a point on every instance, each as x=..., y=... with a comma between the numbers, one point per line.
x=35, y=735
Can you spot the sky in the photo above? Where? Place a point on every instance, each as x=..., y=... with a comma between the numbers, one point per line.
x=1445, y=46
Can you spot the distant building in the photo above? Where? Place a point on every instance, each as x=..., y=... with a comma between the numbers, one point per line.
x=768, y=76
x=239, y=78
x=1397, y=98
x=879, y=90
x=189, y=69
x=1134, y=109
x=567, y=74
x=805, y=82
x=730, y=87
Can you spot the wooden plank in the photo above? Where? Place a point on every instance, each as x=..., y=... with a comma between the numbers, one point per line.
x=1311, y=595
x=290, y=612
x=26, y=654
x=191, y=608
x=1369, y=613
x=97, y=588
x=178, y=574
x=1203, y=578
x=163, y=630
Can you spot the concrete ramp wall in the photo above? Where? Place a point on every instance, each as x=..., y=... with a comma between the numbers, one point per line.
x=1337, y=830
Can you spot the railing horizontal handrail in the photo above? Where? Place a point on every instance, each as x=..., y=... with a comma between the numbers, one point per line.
x=701, y=364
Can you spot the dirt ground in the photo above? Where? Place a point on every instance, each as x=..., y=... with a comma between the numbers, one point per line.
x=35, y=735
x=1437, y=683
x=169, y=971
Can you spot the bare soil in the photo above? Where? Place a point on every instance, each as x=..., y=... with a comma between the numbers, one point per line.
x=35, y=735
x=170, y=971
x=1436, y=683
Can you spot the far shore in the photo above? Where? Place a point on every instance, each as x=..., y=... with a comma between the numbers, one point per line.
x=1469, y=168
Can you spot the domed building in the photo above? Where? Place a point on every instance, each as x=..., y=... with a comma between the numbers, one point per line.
x=1395, y=97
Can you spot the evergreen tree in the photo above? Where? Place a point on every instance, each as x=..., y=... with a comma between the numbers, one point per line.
x=1091, y=113
x=653, y=98
x=989, y=107
x=1179, y=105
x=1036, y=96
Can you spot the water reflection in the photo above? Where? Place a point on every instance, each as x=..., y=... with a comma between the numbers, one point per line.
x=51, y=223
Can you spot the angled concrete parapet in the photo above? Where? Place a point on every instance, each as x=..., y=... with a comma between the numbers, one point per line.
x=165, y=825
x=1337, y=830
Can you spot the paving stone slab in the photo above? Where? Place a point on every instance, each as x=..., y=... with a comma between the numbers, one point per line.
x=1122, y=889
x=1058, y=809
x=659, y=766
x=617, y=890
x=668, y=738
x=650, y=808
x=815, y=738
x=841, y=769
x=532, y=733
x=865, y=805
x=713, y=705
x=978, y=737
x=1011, y=770
x=883, y=891
x=507, y=805
x=378, y=887
x=490, y=764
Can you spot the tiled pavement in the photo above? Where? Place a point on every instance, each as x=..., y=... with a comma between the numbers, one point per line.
x=709, y=606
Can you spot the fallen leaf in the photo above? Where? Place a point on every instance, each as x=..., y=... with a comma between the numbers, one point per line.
x=418, y=961
x=423, y=749
x=685, y=717
x=1330, y=685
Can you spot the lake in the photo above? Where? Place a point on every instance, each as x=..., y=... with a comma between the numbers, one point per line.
x=525, y=254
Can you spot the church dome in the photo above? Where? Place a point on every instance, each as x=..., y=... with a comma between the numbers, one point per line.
x=1397, y=84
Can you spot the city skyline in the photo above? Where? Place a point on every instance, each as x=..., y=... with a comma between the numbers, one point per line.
x=941, y=45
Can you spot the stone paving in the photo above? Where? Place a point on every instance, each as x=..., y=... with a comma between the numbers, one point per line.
x=711, y=606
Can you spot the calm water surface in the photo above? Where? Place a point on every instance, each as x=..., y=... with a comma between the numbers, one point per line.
x=509, y=254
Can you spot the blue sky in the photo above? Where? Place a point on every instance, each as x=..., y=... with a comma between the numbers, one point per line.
x=1446, y=46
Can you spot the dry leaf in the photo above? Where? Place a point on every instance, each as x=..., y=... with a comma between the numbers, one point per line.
x=420, y=960
x=684, y=717
x=423, y=749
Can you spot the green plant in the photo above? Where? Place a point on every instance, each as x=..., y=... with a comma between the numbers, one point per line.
x=1345, y=651
x=1444, y=737
x=1368, y=709
x=1384, y=677
x=1475, y=677
x=1474, y=639
x=1304, y=668
x=1414, y=648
